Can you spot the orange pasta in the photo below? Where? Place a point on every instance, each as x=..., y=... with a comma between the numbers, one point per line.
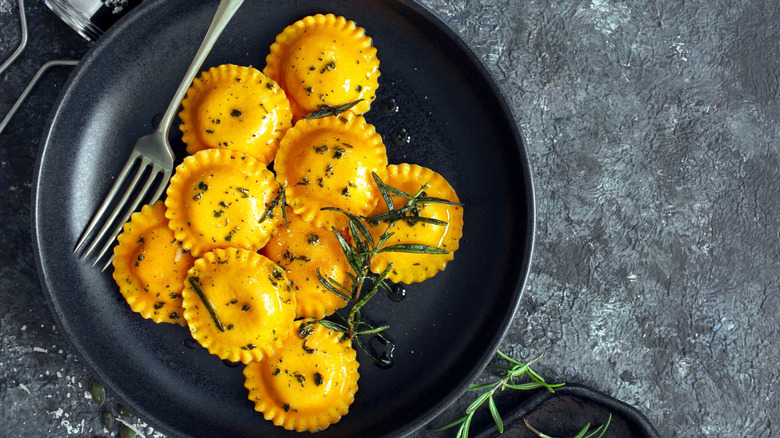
x=309, y=384
x=324, y=60
x=150, y=266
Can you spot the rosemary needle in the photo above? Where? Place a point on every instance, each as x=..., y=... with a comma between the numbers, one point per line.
x=331, y=110
x=206, y=302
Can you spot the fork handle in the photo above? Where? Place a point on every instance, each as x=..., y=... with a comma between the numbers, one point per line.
x=224, y=13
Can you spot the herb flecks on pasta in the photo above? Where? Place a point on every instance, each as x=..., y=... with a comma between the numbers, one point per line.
x=222, y=199
x=324, y=60
x=236, y=108
x=150, y=266
x=307, y=385
x=238, y=304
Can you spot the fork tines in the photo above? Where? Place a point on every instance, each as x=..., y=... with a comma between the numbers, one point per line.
x=146, y=176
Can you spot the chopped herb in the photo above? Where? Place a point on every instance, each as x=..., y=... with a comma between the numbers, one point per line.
x=195, y=282
x=203, y=186
x=328, y=67
x=209, y=131
x=317, y=379
x=271, y=207
x=246, y=307
x=321, y=149
x=303, y=182
x=329, y=110
x=313, y=238
x=244, y=192
x=236, y=113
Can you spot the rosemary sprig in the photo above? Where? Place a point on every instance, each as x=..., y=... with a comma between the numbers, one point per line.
x=206, y=302
x=515, y=371
x=362, y=251
x=331, y=110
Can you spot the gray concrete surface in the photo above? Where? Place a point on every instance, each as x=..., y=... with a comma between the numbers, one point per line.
x=652, y=128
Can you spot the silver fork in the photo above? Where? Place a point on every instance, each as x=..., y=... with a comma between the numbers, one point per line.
x=151, y=157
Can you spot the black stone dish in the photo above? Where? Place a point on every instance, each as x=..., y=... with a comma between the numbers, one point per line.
x=568, y=410
x=446, y=329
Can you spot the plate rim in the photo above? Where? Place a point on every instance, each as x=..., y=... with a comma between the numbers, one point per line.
x=516, y=135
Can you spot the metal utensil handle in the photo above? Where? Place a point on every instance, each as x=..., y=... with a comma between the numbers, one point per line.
x=55, y=63
x=222, y=17
x=22, y=42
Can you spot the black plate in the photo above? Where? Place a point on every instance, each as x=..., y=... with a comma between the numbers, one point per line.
x=446, y=329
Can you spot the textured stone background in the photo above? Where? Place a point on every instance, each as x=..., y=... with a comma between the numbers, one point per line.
x=652, y=128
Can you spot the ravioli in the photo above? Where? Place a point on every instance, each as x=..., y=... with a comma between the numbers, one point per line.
x=412, y=268
x=327, y=162
x=150, y=266
x=238, y=304
x=309, y=384
x=324, y=60
x=302, y=250
x=219, y=199
x=236, y=108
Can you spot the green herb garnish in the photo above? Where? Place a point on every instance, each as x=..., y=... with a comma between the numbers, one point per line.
x=206, y=302
x=514, y=371
x=279, y=197
x=360, y=254
x=330, y=110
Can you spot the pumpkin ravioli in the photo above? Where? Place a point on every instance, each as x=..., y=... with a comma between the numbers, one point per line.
x=302, y=250
x=150, y=266
x=307, y=385
x=328, y=162
x=407, y=267
x=236, y=108
x=324, y=60
x=238, y=304
x=219, y=199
